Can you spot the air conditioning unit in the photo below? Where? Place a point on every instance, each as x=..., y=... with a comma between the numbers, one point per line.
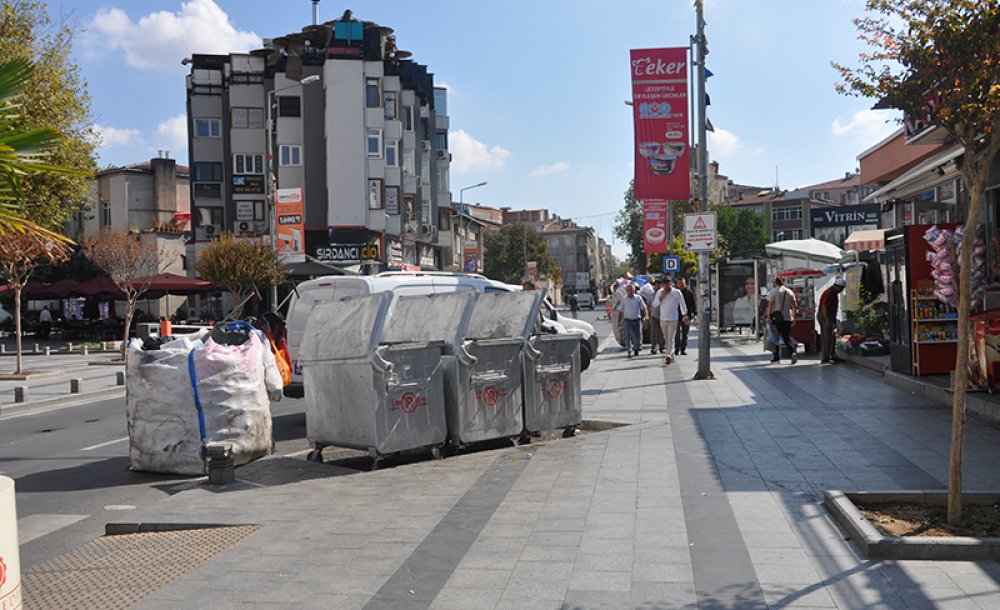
x=425, y=145
x=213, y=230
x=245, y=227
x=426, y=231
x=443, y=155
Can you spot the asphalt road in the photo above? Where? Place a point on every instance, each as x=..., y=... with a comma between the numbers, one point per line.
x=70, y=467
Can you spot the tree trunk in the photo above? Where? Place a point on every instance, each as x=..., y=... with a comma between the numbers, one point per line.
x=129, y=312
x=17, y=326
x=962, y=357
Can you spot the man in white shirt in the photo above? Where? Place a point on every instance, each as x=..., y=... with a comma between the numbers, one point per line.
x=45, y=323
x=673, y=310
x=631, y=312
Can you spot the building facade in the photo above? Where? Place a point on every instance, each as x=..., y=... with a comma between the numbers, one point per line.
x=361, y=129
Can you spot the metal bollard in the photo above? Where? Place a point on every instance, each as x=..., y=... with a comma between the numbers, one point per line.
x=36, y=349
x=86, y=350
x=69, y=347
x=104, y=346
x=21, y=393
x=3, y=349
x=74, y=385
x=48, y=350
x=219, y=459
x=119, y=378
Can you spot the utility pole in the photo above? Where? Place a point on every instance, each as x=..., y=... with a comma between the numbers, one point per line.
x=704, y=332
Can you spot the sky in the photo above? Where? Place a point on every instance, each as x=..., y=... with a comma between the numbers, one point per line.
x=536, y=90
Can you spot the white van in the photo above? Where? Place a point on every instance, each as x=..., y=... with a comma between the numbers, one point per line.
x=328, y=288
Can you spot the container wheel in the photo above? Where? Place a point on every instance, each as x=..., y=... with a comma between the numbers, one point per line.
x=436, y=452
x=376, y=458
x=316, y=455
x=569, y=432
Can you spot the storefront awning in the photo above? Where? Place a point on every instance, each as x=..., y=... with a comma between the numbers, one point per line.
x=934, y=171
x=868, y=239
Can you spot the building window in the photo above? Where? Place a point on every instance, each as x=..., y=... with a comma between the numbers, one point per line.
x=374, y=142
x=289, y=105
x=247, y=118
x=105, y=213
x=207, y=172
x=248, y=164
x=440, y=102
x=374, y=194
x=209, y=216
x=290, y=154
x=207, y=128
x=409, y=161
x=442, y=140
x=786, y=213
x=392, y=153
x=442, y=178
x=389, y=101
x=371, y=92
x=410, y=207
x=408, y=118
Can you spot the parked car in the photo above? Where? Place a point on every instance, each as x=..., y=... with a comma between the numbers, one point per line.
x=585, y=300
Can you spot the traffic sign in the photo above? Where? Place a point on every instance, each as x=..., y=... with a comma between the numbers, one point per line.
x=699, y=232
x=671, y=264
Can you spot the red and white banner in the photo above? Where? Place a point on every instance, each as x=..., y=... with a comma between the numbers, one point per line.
x=654, y=227
x=660, y=112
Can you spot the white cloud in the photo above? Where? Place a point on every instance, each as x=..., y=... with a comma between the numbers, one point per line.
x=867, y=125
x=160, y=40
x=171, y=134
x=546, y=170
x=723, y=143
x=108, y=137
x=471, y=154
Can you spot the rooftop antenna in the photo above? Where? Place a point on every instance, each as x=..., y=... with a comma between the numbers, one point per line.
x=776, y=183
x=315, y=12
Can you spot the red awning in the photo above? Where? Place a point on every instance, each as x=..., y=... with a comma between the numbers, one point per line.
x=101, y=286
x=868, y=239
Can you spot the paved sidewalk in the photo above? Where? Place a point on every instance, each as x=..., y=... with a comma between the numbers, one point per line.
x=708, y=498
x=96, y=381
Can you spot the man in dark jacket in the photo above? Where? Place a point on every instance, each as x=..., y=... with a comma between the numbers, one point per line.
x=829, y=303
x=681, y=340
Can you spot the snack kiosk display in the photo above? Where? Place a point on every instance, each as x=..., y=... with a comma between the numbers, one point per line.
x=801, y=282
x=923, y=331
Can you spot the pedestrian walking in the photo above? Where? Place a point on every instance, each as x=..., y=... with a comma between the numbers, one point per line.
x=45, y=323
x=781, y=311
x=829, y=303
x=574, y=305
x=681, y=340
x=673, y=311
x=656, y=340
x=632, y=311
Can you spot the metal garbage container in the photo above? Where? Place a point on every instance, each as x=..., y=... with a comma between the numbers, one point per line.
x=373, y=378
x=552, y=384
x=483, y=379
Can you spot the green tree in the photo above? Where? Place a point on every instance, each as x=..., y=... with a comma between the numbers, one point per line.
x=504, y=254
x=940, y=59
x=242, y=266
x=55, y=99
x=628, y=228
x=742, y=233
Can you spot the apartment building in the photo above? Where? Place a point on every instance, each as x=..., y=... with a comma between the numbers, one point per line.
x=355, y=124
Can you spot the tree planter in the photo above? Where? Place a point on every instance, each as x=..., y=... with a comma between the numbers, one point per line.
x=875, y=545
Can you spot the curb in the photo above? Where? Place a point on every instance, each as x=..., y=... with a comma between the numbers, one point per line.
x=67, y=400
x=874, y=545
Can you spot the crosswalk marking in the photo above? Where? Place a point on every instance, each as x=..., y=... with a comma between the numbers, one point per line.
x=36, y=526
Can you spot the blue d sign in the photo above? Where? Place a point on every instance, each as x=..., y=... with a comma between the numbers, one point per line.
x=671, y=264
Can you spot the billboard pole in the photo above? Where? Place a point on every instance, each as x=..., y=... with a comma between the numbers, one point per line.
x=704, y=317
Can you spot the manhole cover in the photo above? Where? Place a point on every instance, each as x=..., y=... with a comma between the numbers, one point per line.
x=120, y=571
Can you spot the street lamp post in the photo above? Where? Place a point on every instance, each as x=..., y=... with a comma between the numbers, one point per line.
x=269, y=186
x=704, y=331
x=461, y=210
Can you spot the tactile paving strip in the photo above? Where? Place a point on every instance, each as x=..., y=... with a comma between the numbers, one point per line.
x=120, y=571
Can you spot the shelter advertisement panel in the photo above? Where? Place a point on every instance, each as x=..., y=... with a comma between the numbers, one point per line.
x=654, y=227
x=290, y=230
x=660, y=115
x=739, y=293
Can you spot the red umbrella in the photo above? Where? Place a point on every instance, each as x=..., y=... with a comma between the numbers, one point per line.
x=101, y=285
x=801, y=272
x=171, y=283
